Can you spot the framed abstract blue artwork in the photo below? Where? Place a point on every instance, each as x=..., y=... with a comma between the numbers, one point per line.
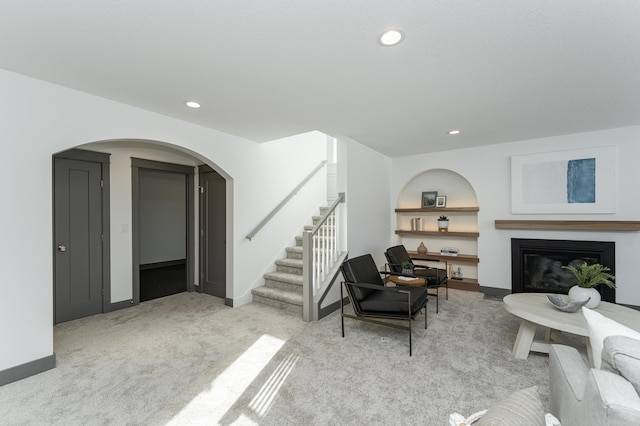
x=565, y=182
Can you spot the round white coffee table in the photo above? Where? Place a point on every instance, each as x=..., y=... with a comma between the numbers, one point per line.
x=535, y=310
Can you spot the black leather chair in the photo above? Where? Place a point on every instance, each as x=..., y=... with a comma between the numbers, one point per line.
x=434, y=277
x=373, y=302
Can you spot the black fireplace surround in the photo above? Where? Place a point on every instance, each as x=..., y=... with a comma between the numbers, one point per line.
x=536, y=265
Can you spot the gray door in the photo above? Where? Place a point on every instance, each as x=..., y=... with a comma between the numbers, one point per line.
x=213, y=228
x=77, y=239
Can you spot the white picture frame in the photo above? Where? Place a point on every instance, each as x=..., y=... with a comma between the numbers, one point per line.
x=578, y=181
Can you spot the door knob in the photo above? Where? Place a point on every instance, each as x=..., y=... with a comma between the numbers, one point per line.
x=62, y=248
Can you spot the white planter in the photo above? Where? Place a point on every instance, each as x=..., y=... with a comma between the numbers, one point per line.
x=578, y=294
x=443, y=225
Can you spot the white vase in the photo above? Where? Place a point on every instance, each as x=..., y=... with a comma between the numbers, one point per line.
x=578, y=294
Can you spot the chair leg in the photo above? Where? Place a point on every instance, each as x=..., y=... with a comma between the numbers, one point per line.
x=342, y=309
x=425, y=315
x=446, y=286
x=410, y=334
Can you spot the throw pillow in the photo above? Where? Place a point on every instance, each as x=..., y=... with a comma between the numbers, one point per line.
x=599, y=328
x=521, y=408
x=621, y=355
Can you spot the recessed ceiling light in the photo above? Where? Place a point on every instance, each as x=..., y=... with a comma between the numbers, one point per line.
x=192, y=104
x=454, y=132
x=391, y=37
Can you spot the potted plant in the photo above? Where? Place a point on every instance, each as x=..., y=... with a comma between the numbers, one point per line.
x=443, y=223
x=588, y=276
x=407, y=268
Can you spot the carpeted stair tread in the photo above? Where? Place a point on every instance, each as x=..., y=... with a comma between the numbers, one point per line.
x=279, y=295
x=284, y=277
x=291, y=263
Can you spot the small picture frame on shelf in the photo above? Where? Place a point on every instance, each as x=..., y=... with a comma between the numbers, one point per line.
x=429, y=199
x=441, y=201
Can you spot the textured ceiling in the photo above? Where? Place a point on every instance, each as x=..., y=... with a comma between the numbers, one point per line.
x=499, y=70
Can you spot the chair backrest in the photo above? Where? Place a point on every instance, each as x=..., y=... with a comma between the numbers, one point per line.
x=361, y=269
x=396, y=256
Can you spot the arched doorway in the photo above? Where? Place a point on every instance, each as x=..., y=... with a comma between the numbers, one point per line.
x=119, y=283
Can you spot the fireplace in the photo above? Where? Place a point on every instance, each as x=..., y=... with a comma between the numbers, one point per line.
x=536, y=265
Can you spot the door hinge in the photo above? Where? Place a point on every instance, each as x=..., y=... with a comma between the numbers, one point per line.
x=202, y=189
x=102, y=291
x=102, y=237
x=101, y=183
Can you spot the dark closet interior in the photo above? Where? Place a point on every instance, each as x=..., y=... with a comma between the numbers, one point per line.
x=162, y=233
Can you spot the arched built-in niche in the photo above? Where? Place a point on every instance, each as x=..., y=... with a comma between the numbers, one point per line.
x=461, y=208
x=455, y=187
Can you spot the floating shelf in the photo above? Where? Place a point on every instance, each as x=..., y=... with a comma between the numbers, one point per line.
x=460, y=258
x=440, y=210
x=570, y=225
x=450, y=234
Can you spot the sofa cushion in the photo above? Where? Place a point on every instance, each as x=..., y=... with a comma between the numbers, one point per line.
x=600, y=327
x=621, y=355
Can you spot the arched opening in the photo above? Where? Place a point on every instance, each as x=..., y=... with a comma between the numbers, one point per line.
x=450, y=195
x=121, y=285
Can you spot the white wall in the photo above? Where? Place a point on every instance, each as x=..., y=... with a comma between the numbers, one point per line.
x=488, y=171
x=368, y=185
x=40, y=119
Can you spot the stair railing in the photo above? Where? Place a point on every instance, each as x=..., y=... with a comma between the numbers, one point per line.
x=320, y=260
x=270, y=216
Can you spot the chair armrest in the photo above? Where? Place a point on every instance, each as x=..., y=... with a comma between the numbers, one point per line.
x=446, y=264
x=374, y=287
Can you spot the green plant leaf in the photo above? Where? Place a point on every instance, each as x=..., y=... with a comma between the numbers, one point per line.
x=588, y=276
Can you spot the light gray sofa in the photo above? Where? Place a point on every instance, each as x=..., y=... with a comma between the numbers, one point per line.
x=580, y=395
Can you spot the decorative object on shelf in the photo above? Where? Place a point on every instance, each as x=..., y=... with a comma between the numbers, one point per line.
x=443, y=223
x=449, y=251
x=422, y=249
x=407, y=268
x=561, y=304
x=429, y=199
x=587, y=278
x=441, y=201
x=416, y=224
x=457, y=275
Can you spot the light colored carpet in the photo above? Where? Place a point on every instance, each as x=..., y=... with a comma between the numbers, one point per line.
x=188, y=359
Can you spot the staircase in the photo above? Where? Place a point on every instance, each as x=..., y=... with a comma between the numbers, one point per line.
x=283, y=288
